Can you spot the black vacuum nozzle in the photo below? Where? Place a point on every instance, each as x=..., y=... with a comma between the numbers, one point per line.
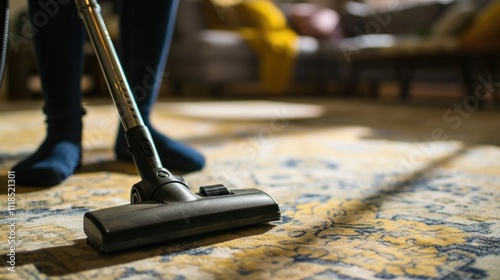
x=149, y=222
x=163, y=207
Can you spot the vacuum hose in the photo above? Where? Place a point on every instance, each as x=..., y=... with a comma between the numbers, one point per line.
x=4, y=35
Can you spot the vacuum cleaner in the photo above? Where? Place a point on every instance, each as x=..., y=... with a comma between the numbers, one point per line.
x=162, y=205
x=4, y=36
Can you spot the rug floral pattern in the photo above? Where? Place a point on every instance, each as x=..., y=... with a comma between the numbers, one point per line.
x=357, y=201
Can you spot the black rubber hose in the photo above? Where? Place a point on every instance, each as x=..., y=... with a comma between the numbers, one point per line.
x=4, y=36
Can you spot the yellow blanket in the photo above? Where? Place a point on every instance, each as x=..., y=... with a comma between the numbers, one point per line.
x=484, y=32
x=265, y=28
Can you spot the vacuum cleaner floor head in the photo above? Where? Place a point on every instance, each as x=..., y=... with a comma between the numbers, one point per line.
x=162, y=206
x=123, y=227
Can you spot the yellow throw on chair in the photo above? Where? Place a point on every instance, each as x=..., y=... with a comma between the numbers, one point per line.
x=263, y=25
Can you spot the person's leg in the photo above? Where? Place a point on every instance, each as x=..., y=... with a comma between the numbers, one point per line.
x=58, y=41
x=146, y=28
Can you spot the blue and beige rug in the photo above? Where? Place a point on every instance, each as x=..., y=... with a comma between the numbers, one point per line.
x=367, y=191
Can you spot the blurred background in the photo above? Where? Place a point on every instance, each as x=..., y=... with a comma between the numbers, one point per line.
x=400, y=50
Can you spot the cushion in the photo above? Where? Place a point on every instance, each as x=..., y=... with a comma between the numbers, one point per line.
x=312, y=20
x=264, y=15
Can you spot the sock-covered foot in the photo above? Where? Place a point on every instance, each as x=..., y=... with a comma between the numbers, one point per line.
x=54, y=161
x=50, y=165
x=173, y=154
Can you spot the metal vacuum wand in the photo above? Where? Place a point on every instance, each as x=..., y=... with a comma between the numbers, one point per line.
x=144, y=154
x=162, y=205
x=90, y=12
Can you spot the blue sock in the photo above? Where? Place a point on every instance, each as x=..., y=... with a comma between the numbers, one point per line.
x=146, y=29
x=56, y=159
x=58, y=48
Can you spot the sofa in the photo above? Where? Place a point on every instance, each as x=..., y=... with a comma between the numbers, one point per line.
x=218, y=58
x=422, y=41
x=419, y=41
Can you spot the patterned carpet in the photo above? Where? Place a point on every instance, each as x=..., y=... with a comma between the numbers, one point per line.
x=367, y=191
